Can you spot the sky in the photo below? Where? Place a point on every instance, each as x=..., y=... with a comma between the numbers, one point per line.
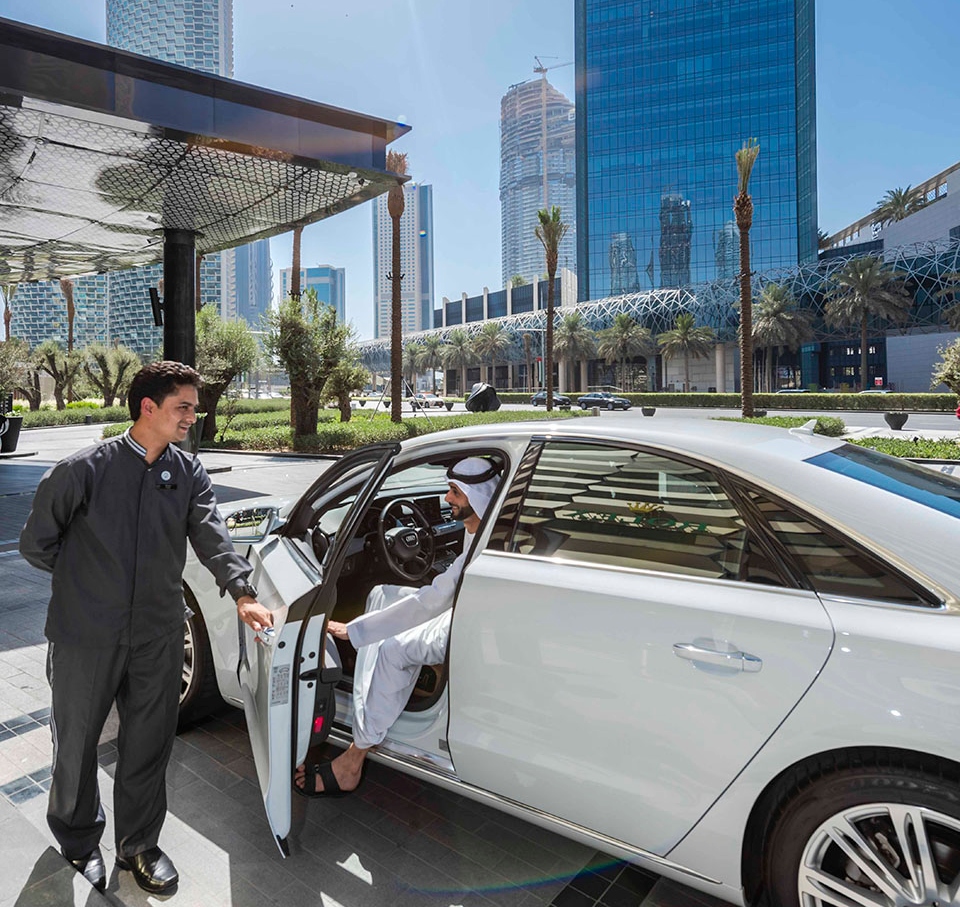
x=885, y=117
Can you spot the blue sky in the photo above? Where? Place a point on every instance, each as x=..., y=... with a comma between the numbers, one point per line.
x=887, y=111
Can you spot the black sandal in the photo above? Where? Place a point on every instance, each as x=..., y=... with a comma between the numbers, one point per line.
x=331, y=788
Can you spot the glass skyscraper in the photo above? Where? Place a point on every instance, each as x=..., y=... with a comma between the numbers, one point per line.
x=329, y=282
x=667, y=91
x=416, y=261
x=526, y=111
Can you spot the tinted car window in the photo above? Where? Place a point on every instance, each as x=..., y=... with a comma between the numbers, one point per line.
x=622, y=507
x=907, y=480
x=831, y=565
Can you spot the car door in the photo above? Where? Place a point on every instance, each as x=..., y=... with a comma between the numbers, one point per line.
x=624, y=644
x=287, y=677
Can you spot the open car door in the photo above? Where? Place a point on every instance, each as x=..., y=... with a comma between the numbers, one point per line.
x=287, y=676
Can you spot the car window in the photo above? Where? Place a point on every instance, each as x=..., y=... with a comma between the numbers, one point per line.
x=831, y=565
x=900, y=477
x=621, y=507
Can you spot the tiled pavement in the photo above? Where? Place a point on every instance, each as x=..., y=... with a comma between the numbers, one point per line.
x=396, y=842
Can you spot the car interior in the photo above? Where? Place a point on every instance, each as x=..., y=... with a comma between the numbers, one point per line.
x=406, y=537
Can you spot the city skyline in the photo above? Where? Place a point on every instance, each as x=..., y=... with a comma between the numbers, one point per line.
x=382, y=59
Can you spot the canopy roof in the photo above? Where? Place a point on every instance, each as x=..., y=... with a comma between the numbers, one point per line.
x=101, y=150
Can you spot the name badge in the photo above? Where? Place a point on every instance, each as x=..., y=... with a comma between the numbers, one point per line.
x=166, y=486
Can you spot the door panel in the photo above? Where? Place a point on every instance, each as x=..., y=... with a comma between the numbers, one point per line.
x=287, y=681
x=566, y=692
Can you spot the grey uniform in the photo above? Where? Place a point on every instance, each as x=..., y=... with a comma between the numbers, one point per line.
x=112, y=529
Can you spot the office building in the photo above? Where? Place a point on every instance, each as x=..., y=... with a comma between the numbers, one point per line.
x=667, y=91
x=530, y=112
x=416, y=261
x=330, y=284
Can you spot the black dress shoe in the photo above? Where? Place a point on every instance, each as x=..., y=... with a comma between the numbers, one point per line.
x=92, y=869
x=152, y=870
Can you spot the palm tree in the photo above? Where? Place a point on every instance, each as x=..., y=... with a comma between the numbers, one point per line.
x=7, y=291
x=397, y=163
x=528, y=359
x=550, y=231
x=66, y=287
x=490, y=344
x=412, y=354
x=897, y=204
x=686, y=339
x=575, y=341
x=779, y=323
x=430, y=352
x=865, y=287
x=295, y=264
x=743, y=210
x=458, y=353
x=623, y=340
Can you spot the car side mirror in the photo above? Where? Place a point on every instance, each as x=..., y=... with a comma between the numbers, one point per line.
x=253, y=524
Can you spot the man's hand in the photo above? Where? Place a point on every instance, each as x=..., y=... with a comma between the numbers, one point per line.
x=253, y=614
x=337, y=629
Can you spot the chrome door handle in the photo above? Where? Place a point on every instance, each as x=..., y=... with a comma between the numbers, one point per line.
x=738, y=661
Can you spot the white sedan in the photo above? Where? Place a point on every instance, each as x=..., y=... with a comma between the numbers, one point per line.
x=727, y=653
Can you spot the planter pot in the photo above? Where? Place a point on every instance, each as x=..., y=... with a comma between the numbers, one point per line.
x=448, y=404
x=9, y=433
x=648, y=410
x=895, y=420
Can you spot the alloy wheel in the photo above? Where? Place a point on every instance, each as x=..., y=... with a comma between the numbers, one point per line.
x=889, y=854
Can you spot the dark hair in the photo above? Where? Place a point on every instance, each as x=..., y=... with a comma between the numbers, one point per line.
x=159, y=380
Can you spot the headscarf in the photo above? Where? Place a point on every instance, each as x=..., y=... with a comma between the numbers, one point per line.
x=477, y=478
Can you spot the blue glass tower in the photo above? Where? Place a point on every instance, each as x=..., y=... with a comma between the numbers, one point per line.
x=667, y=91
x=329, y=282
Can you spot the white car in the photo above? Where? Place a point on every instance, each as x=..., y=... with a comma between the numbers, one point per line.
x=727, y=653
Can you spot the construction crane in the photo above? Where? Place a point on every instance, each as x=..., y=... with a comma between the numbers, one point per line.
x=542, y=71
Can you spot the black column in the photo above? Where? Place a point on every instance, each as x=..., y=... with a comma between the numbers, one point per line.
x=179, y=288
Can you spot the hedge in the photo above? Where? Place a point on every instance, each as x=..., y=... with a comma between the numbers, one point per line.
x=830, y=426
x=363, y=428
x=934, y=403
x=914, y=448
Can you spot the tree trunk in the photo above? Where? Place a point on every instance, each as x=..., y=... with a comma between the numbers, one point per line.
x=295, y=265
x=343, y=403
x=395, y=206
x=303, y=413
x=743, y=210
x=686, y=373
x=863, y=352
x=551, y=272
x=209, y=399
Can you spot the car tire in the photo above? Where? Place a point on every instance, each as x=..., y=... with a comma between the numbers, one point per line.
x=610, y=406
x=864, y=806
x=199, y=693
x=583, y=406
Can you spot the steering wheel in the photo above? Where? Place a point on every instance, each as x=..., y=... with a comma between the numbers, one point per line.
x=408, y=550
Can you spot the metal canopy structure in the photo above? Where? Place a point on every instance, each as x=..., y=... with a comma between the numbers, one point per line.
x=107, y=156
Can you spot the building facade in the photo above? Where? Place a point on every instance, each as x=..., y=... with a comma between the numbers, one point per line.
x=329, y=282
x=416, y=261
x=664, y=100
x=529, y=113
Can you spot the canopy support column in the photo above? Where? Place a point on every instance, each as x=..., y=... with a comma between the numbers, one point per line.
x=179, y=302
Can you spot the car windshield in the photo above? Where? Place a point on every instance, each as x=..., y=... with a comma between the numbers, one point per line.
x=907, y=480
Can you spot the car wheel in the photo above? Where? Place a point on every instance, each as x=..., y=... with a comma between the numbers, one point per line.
x=199, y=692
x=609, y=406
x=583, y=406
x=883, y=835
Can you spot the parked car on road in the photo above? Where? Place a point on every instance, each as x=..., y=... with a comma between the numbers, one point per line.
x=725, y=652
x=540, y=399
x=603, y=399
x=424, y=401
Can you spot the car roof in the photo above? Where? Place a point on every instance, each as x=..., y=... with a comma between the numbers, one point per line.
x=912, y=535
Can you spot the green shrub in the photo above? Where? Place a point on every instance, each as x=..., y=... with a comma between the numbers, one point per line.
x=915, y=448
x=73, y=416
x=830, y=426
x=84, y=404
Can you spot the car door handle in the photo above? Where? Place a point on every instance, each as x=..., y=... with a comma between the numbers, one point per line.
x=740, y=661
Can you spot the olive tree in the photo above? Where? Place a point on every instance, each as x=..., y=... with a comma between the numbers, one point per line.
x=225, y=349
x=947, y=370
x=110, y=370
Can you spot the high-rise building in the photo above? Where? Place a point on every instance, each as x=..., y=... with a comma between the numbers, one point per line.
x=524, y=111
x=329, y=282
x=197, y=34
x=416, y=261
x=667, y=91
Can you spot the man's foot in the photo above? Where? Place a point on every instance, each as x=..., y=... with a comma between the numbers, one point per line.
x=152, y=870
x=341, y=776
x=91, y=868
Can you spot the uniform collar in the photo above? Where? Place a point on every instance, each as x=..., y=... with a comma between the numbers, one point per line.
x=140, y=450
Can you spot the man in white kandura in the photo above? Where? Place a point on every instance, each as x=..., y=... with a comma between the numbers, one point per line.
x=402, y=629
